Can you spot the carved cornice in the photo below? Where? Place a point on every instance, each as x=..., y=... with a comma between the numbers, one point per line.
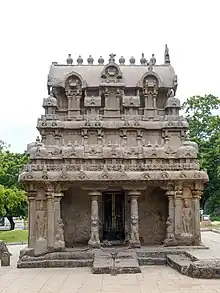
x=39, y=151
x=104, y=175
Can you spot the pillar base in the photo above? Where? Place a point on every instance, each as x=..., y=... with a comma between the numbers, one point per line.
x=134, y=244
x=170, y=241
x=59, y=245
x=41, y=246
x=94, y=244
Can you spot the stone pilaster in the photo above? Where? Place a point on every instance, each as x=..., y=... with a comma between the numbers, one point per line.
x=31, y=219
x=196, y=208
x=178, y=210
x=170, y=238
x=59, y=242
x=50, y=219
x=134, y=240
x=94, y=240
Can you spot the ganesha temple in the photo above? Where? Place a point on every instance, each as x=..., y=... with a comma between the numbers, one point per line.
x=113, y=165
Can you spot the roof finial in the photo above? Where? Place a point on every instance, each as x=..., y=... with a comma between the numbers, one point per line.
x=166, y=55
x=143, y=59
x=79, y=60
x=90, y=60
x=101, y=60
x=112, y=57
x=132, y=60
x=69, y=60
x=153, y=59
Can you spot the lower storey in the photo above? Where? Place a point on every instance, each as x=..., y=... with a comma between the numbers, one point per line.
x=142, y=216
x=114, y=216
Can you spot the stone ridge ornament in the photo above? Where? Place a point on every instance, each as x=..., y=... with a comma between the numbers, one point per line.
x=113, y=144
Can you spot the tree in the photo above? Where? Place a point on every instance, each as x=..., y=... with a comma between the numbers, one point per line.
x=13, y=199
x=204, y=129
x=13, y=203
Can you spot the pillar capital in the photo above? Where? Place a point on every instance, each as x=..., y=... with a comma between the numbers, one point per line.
x=58, y=194
x=134, y=193
x=94, y=193
x=170, y=193
x=32, y=195
x=197, y=193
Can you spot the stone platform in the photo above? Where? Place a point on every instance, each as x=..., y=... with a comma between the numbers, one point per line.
x=126, y=262
x=193, y=261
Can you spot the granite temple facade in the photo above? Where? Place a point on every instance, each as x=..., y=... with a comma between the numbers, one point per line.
x=114, y=164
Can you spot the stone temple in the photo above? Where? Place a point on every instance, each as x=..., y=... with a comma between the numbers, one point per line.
x=114, y=164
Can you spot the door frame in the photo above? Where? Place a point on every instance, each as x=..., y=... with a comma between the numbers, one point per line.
x=123, y=211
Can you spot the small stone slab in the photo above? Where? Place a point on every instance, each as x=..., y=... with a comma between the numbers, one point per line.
x=125, y=263
x=205, y=269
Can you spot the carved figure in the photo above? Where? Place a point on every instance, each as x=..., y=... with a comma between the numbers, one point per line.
x=94, y=238
x=59, y=236
x=134, y=229
x=41, y=225
x=169, y=224
x=186, y=217
x=3, y=249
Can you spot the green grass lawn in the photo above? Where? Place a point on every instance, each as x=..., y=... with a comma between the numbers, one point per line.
x=14, y=236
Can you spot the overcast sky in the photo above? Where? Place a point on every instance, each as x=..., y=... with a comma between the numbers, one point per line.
x=35, y=33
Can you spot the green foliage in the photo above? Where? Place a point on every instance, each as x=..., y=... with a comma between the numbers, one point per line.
x=14, y=236
x=10, y=165
x=202, y=113
x=215, y=218
x=13, y=200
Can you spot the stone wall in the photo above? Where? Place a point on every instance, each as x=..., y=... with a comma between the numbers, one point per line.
x=75, y=213
x=153, y=211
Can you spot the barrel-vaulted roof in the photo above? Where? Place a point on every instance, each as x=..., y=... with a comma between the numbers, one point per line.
x=91, y=74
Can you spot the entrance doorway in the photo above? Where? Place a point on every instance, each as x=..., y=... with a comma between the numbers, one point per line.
x=114, y=216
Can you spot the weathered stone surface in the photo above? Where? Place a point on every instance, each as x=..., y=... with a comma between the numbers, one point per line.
x=124, y=263
x=114, y=162
x=4, y=254
x=205, y=269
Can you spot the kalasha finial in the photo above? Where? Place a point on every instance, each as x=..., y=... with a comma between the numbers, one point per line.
x=122, y=60
x=166, y=55
x=143, y=60
x=101, y=60
x=37, y=139
x=69, y=60
x=90, y=60
x=153, y=60
x=112, y=57
x=79, y=60
x=132, y=60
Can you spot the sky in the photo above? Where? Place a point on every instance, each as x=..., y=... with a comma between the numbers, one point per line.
x=33, y=34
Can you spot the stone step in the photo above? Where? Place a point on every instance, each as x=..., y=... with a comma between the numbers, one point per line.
x=55, y=263
x=188, y=265
x=146, y=261
x=179, y=262
x=125, y=263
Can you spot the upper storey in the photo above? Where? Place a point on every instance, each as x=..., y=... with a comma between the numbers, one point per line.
x=130, y=76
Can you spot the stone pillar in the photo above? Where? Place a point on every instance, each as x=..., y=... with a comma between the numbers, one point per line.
x=50, y=219
x=134, y=240
x=59, y=242
x=94, y=240
x=31, y=219
x=178, y=211
x=196, y=208
x=170, y=238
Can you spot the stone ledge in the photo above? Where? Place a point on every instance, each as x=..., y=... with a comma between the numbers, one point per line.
x=188, y=265
x=67, y=263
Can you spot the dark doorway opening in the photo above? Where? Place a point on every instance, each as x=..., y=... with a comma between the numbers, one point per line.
x=114, y=216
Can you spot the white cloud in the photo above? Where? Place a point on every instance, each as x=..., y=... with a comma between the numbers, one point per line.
x=35, y=33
